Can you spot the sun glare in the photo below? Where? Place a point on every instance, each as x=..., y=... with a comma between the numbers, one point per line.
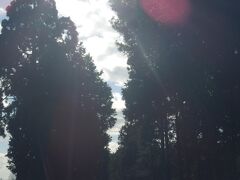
x=171, y=12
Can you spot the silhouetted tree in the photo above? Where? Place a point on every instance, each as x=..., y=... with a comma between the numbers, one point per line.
x=144, y=140
x=181, y=99
x=59, y=108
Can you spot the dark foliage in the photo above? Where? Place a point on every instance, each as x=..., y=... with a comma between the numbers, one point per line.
x=182, y=98
x=57, y=108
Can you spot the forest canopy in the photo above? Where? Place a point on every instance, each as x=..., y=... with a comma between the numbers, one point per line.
x=181, y=99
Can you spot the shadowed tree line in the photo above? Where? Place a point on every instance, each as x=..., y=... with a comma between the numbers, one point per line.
x=182, y=97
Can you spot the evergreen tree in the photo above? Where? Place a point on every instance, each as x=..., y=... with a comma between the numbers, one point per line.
x=181, y=100
x=59, y=108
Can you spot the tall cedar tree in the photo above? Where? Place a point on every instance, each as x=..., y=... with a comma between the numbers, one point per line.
x=182, y=98
x=57, y=108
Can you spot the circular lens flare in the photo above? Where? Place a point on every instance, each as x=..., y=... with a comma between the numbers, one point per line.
x=171, y=12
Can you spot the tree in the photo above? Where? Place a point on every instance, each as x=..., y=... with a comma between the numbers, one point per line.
x=59, y=107
x=183, y=78
x=144, y=140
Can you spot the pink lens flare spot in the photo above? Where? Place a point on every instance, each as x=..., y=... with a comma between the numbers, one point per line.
x=171, y=12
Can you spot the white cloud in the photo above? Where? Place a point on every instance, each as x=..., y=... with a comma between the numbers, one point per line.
x=113, y=146
x=92, y=19
x=118, y=103
x=4, y=172
x=2, y=12
x=4, y=3
x=119, y=75
x=4, y=144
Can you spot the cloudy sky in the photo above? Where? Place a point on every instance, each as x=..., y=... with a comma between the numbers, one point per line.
x=92, y=20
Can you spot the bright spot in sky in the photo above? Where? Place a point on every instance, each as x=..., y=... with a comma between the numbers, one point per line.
x=171, y=12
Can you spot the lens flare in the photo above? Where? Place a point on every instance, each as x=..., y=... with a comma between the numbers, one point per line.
x=171, y=12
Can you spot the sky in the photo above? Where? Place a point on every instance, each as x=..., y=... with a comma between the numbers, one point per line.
x=92, y=20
